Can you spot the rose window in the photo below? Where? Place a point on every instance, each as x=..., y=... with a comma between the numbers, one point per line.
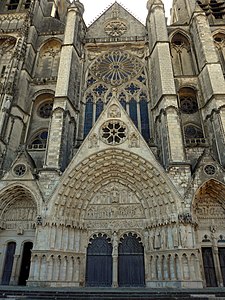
x=114, y=132
x=19, y=170
x=115, y=28
x=210, y=169
x=45, y=109
x=116, y=67
x=188, y=105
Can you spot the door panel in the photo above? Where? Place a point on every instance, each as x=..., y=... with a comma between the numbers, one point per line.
x=222, y=263
x=9, y=258
x=209, y=269
x=25, y=265
x=131, y=261
x=99, y=262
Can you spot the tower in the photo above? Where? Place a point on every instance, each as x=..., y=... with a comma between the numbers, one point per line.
x=112, y=145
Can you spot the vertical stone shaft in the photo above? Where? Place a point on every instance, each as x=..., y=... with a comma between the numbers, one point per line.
x=163, y=93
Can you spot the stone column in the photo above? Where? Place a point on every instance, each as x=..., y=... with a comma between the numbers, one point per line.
x=66, y=91
x=115, y=260
x=211, y=81
x=163, y=92
x=14, y=277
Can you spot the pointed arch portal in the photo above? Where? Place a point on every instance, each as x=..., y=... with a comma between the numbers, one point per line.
x=25, y=265
x=209, y=210
x=131, y=270
x=8, y=265
x=99, y=261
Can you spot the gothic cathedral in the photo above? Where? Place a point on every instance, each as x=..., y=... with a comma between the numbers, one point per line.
x=112, y=145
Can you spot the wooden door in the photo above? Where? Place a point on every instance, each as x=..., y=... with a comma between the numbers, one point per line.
x=222, y=263
x=8, y=265
x=99, y=262
x=209, y=268
x=131, y=261
x=25, y=264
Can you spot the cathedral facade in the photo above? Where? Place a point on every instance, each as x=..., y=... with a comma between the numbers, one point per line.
x=112, y=145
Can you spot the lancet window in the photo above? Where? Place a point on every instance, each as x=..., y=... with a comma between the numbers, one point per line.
x=181, y=55
x=39, y=140
x=125, y=72
x=219, y=41
x=190, y=116
x=48, y=60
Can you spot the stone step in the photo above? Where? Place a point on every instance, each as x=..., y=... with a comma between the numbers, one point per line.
x=29, y=293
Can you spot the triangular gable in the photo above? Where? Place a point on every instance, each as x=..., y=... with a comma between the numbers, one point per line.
x=114, y=137
x=22, y=168
x=101, y=135
x=207, y=167
x=116, y=21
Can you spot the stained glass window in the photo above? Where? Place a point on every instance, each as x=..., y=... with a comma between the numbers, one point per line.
x=116, y=67
x=188, y=105
x=132, y=88
x=88, y=116
x=45, y=109
x=144, y=119
x=39, y=140
x=193, y=132
x=99, y=108
x=133, y=111
x=100, y=90
x=123, y=103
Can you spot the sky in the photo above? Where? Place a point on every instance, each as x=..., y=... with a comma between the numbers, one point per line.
x=94, y=8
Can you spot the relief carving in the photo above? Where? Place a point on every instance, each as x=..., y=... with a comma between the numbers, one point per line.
x=114, y=224
x=20, y=215
x=93, y=141
x=209, y=209
x=114, y=111
x=134, y=140
x=103, y=212
x=115, y=193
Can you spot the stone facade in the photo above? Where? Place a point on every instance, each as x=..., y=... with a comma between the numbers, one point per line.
x=112, y=145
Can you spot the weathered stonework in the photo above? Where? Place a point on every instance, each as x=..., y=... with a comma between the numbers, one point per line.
x=112, y=146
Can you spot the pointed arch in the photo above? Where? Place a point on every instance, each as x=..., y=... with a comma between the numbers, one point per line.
x=18, y=204
x=181, y=54
x=99, y=261
x=212, y=192
x=219, y=42
x=208, y=210
x=131, y=261
x=48, y=59
x=149, y=189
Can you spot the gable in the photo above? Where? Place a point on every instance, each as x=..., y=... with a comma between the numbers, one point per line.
x=116, y=22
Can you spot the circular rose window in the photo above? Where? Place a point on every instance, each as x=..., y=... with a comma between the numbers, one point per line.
x=116, y=67
x=116, y=28
x=19, y=170
x=113, y=132
x=210, y=169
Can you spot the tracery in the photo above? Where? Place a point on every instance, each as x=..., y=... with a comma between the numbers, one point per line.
x=126, y=72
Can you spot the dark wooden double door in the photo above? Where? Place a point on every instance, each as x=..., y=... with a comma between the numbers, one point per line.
x=99, y=267
x=9, y=260
x=209, y=266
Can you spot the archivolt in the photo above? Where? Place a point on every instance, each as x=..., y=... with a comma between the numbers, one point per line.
x=152, y=188
x=12, y=194
x=212, y=189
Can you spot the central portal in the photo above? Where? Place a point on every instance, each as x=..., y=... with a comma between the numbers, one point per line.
x=101, y=263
